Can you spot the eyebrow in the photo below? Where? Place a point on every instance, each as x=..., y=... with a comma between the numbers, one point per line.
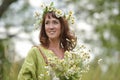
x=52, y=20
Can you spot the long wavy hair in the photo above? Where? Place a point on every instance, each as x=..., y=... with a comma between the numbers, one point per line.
x=67, y=38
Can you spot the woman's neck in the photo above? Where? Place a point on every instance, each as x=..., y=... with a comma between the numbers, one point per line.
x=55, y=47
x=54, y=44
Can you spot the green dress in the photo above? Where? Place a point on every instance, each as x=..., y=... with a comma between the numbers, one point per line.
x=34, y=65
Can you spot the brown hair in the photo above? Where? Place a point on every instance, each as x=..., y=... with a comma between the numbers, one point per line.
x=67, y=38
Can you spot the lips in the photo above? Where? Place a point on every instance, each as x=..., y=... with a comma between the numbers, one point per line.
x=51, y=32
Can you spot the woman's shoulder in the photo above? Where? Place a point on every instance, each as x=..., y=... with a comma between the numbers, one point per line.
x=38, y=48
x=32, y=49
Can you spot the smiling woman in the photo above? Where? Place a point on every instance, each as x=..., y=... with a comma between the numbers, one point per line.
x=55, y=38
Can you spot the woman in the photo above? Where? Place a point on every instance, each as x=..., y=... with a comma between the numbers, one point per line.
x=55, y=38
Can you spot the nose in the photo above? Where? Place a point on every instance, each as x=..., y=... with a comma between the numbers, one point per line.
x=51, y=26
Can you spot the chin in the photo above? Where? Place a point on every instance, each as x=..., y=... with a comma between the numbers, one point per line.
x=52, y=38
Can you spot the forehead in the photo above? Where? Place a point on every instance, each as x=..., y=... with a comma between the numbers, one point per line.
x=50, y=14
x=50, y=17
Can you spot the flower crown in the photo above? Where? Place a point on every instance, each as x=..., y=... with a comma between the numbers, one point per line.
x=59, y=13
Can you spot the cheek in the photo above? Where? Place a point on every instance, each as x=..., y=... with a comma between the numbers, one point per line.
x=46, y=28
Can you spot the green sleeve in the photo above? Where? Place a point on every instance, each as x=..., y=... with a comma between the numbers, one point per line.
x=28, y=70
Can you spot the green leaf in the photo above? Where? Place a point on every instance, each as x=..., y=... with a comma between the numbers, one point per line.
x=51, y=4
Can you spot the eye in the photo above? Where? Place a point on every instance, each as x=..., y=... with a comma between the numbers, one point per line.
x=55, y=22
x=46, y=22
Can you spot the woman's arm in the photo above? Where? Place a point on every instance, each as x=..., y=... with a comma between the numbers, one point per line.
x=28, y=70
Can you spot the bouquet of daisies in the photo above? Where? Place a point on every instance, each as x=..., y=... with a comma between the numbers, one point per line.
x=74, y=64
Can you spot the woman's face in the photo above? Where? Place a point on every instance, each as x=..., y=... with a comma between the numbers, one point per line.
x=52, y=28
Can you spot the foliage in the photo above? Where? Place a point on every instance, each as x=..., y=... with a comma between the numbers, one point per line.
x=8, y=70
x=4, y=63
x=96, y=73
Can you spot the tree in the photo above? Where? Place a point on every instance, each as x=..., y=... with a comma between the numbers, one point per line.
x=7, y=50
x=4, y=6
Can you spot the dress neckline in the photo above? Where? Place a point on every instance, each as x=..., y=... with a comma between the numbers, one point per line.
x=50, y=51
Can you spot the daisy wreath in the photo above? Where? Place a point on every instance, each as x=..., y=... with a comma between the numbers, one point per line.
x=49, y=8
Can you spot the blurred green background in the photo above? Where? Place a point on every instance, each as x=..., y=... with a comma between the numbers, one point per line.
x=97, y=25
